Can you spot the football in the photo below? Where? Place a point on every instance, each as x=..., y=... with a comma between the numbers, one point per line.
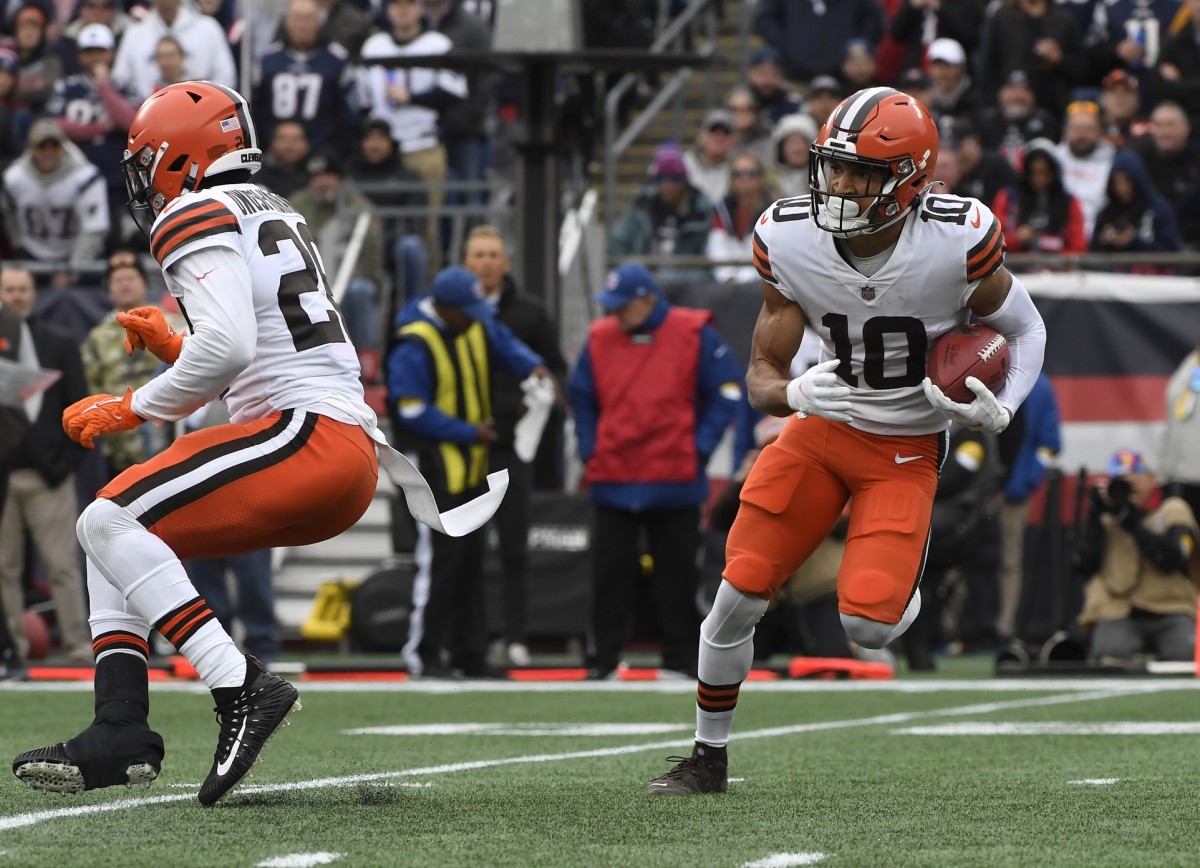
x=968, y=351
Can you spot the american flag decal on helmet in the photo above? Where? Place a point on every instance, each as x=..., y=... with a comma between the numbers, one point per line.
x=228, y=125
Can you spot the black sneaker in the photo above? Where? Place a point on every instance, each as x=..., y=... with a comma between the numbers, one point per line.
x=103, y=755
x=248, y=720
x=705, y=771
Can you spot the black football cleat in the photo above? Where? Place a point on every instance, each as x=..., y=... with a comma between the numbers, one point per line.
x=105, y=754
x=705, y=771
x=248, y=720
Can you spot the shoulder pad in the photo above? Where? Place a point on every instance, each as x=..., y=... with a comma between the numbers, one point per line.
x=187, y=220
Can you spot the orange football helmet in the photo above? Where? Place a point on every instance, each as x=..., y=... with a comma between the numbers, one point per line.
x=891, y=134
x=181, y=135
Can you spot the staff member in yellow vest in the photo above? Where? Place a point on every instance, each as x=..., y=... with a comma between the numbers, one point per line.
x=1144, y=566
x=653, y=391
x=439, y=371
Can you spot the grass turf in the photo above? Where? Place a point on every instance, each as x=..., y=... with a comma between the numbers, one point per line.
x=857, y=792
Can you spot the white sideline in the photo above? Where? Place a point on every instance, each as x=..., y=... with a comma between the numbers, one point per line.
x=17, y=821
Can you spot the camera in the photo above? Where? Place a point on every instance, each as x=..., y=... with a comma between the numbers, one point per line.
x=1119, y=493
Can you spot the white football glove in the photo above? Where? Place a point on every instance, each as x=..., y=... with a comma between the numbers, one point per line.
x=984, y=412
x=819, y=392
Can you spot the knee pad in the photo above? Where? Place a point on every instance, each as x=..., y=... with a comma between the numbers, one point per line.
x=731, y=621
x=98, y=525
x=865, y=632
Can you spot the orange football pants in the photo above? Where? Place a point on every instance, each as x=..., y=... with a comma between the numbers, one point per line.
x=290, y=479
x=798, y=488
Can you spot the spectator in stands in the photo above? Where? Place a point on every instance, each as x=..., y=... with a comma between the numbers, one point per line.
x=824, y=93
x=749, y=131
x=708, y=161
x=206, y=50
x=331, y=205
x=1040, y=39
x=38, y=69
x=284, y=165
x=1180, y=457
x=811, y=37
x=388, y=183
x=670, y=217
x=1137, y=217
x=953, y=93
x=948, y=172
x=916, y=84
x=464, y=124
x=305, y=80
x=346, y=24
x=984, y=172
x=1141, y=596
x=858, y=66
x=732, y=231
x=1174, y=164
x=1037, y=214
x=1120, y=108
x=15, y=341
x=1127, y=35
x=110, y=370
x=917, y=22
x=1178, y=70
x=413, y=100
x=41, y=487
x=95, y=113
x=527, y=320
x=106, y=12
x=764, y=77
x=444, y=346
x=169, y=63
x=1041, y=441
x=54, y=203
x=793, y=137
x=1016, y=119
x=1086, y=159
x=14, y=121
x=652, y=392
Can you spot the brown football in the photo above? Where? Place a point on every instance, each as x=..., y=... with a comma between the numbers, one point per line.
x=973, y=350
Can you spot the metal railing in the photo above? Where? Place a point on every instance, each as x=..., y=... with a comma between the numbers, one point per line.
x=672, y=36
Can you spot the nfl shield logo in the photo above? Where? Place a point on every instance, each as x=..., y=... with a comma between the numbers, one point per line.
x=867, y=292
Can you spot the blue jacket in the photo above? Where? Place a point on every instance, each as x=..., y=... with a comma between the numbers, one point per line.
x=1042, y=435
x=410, y=373
x=718, y=390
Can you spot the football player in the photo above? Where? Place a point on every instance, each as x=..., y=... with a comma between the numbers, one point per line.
x=298, y=464
x=881, y=266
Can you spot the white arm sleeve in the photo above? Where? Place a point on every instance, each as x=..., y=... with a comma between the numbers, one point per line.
x=1021, y=324
x=224, y=335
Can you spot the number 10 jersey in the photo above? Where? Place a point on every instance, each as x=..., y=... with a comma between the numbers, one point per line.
x=303, y=356
x=881, y=328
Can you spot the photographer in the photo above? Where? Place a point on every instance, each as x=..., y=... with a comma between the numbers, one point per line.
x=1142, y=594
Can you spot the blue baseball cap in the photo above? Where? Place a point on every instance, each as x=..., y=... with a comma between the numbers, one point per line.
x=459, y=287
x=624, y=284
x=1126, y=461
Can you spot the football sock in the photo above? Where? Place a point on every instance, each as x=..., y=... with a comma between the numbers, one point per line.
x=726, y=653
x=195, y=631
x=114, y=631
x=122, y=686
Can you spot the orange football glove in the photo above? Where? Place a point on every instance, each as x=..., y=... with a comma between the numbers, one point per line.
x=85, y=420
x=147, y=329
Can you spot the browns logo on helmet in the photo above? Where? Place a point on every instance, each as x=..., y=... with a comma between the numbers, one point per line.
x=890, y=134
x=180, y=136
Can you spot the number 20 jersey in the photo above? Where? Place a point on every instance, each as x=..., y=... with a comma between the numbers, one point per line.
x=881, y=328
x=303, y=356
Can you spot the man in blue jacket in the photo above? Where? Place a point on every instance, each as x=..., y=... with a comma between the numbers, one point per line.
x=652, y=393
x=439, y=400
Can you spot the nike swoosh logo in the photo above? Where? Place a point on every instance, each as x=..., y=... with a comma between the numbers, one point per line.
x=211, y=270
x=900, y=460
x=975, y=222
x=223, y=767
x=659, y=785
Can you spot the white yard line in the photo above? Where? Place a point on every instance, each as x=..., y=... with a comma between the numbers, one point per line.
x=1066, y=727
x=785, y=860
x=1096, y=782
x=17, y=821
x=300, y=860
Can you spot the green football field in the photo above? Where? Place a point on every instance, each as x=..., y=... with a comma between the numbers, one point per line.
x=950, y=772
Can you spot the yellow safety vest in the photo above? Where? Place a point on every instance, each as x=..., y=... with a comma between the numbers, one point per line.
x=463, y=391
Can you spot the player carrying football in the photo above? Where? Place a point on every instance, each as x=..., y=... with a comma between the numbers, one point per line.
x=298, y=464
x=881, y=267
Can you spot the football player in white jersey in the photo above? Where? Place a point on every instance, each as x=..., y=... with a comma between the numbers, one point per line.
x=298, y=464
x=881, y=266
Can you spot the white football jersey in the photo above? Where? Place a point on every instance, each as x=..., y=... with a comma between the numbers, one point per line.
x=51, y=211
x=881, y=328
x=303, y=356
